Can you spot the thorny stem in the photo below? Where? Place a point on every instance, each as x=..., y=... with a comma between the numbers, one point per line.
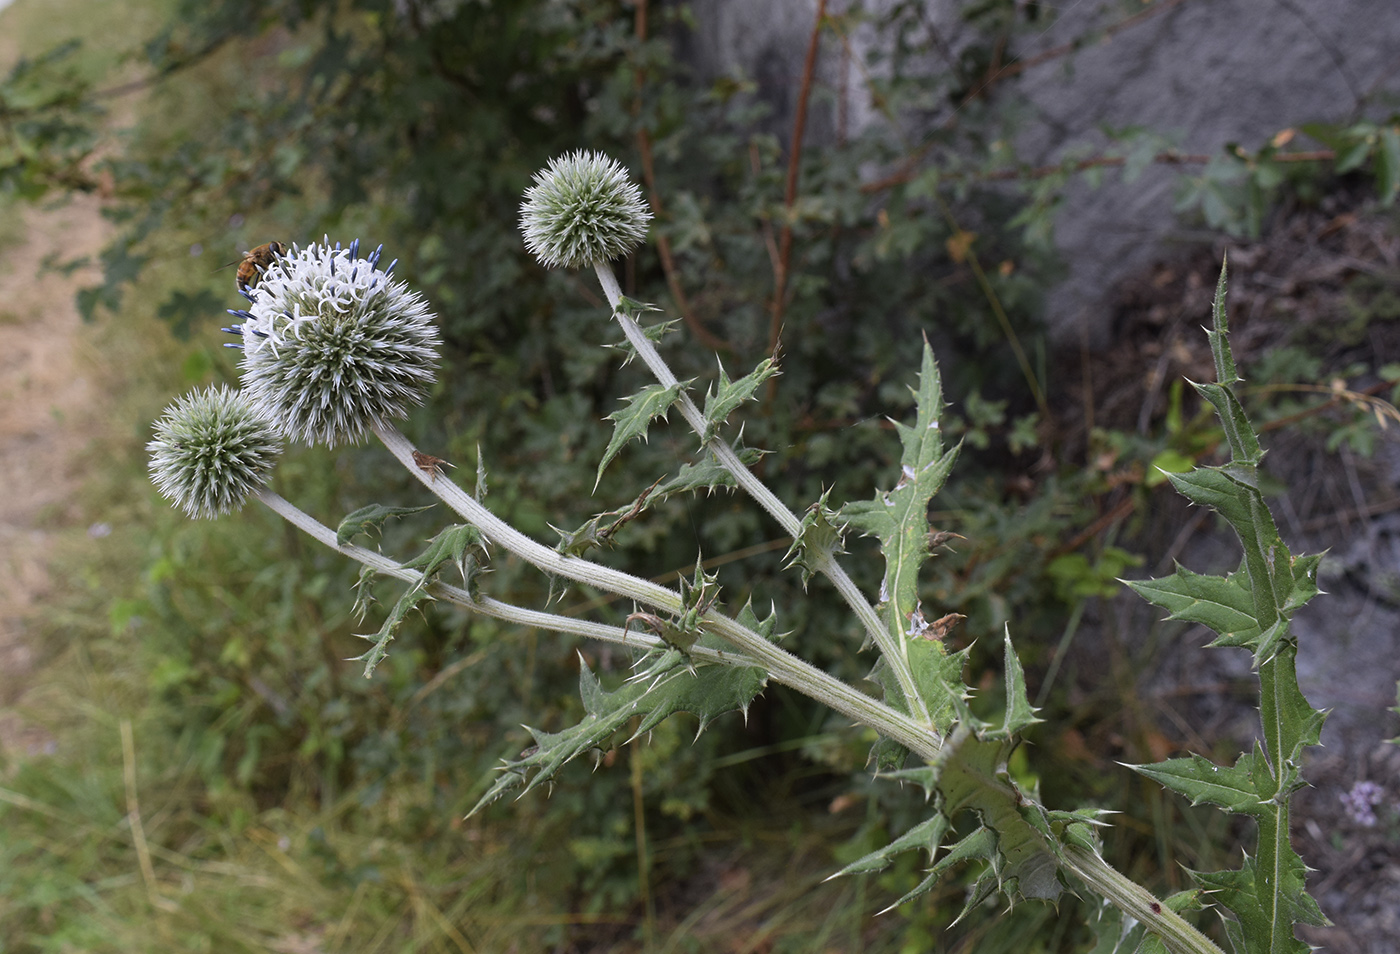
x=484, y=605
x=1179, y=936
x=1136, y=901
x=895, y=652
x=782, y=666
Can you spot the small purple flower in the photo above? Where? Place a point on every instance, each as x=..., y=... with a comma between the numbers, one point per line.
x=1360, y=802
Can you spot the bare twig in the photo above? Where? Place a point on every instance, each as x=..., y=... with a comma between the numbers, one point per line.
x=799, y=124
x=663, y=241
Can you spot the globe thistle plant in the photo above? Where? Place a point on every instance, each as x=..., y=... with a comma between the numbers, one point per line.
x=582, y=210
x=333, y=346
x=211, y=449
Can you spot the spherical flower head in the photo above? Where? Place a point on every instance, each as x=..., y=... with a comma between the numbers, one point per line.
x=582, y=209
x=333, y=346
x=211, y=449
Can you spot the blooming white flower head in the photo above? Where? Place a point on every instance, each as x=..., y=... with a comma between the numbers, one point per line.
x=582, y=209
x=210, y=450
x=332, y=345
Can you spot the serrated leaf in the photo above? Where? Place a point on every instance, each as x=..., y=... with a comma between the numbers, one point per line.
x=978, y=846
x=818, y=539
x=748, y=619
x=899, y=517
x=369, y=518
x=405, y=604
x=651, y=402
x=726, y=395
x=635, y=309
x=1019, y=711
x=668, y=684
x=599, y=530
x=1241, y=788
x=705, y=474
x=938, y=675
x=927, y=835
x=1218, y=335
x=972, y=775
x=1220, y=602
x=1249, y=608
x=1114, y=932
x=460, y=546
x=1259, y=932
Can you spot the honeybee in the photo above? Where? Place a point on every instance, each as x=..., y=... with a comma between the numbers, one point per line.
x=256, y=261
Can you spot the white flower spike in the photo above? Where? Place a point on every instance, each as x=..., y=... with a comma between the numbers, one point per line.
x=332, y=345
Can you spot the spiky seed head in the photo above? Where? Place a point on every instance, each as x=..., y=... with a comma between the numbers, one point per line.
x=332, y=345
x=210, y=450
x=582, y=209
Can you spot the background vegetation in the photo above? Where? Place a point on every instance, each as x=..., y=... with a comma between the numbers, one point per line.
x=224, y=778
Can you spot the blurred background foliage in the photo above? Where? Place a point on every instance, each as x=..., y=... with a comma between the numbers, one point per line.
x=288, y=804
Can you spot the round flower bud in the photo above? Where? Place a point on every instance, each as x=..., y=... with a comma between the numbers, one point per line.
x=210, y=450
x=582, y=209
x=332, y=345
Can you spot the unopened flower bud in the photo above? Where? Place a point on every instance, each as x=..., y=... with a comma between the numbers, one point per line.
x=211, y=449
x=583, y=209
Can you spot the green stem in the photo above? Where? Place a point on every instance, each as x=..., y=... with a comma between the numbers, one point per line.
x=894, y=650
x=484, y=605
x=1137, y=902
x=782, y=666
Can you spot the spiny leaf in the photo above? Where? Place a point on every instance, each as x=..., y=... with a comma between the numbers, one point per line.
x=1249, y=608
x=938, y=674
x=926, y=835
x=668, y=684
x=899, y=517
x=600, y=529
x=370, y=518
x=635, y=309
x=748, y=619
x=1218, y=335
x=819, y=539
x=726, y=395
x=705, y=474
x=651, y=402
x=405, y=604
x=1258, y=932
x=1234, y=788
x=1221, y=602
x=460, y=545
x=978, y=846
x=1019, y=711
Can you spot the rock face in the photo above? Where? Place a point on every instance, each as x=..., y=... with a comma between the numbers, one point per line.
x=1202, y=72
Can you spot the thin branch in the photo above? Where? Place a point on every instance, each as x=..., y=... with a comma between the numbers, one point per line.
x=1020, y=65
x=799, y=125
x=663, y=241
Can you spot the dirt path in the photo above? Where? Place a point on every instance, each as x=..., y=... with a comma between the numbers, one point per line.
x=49, y=412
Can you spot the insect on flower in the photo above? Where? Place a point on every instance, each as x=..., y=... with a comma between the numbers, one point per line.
x=256, y=261
x=430, y=464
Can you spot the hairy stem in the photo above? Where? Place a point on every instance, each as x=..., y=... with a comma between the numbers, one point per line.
x=782, y=666
x=894, y=651
x=1136, y=901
